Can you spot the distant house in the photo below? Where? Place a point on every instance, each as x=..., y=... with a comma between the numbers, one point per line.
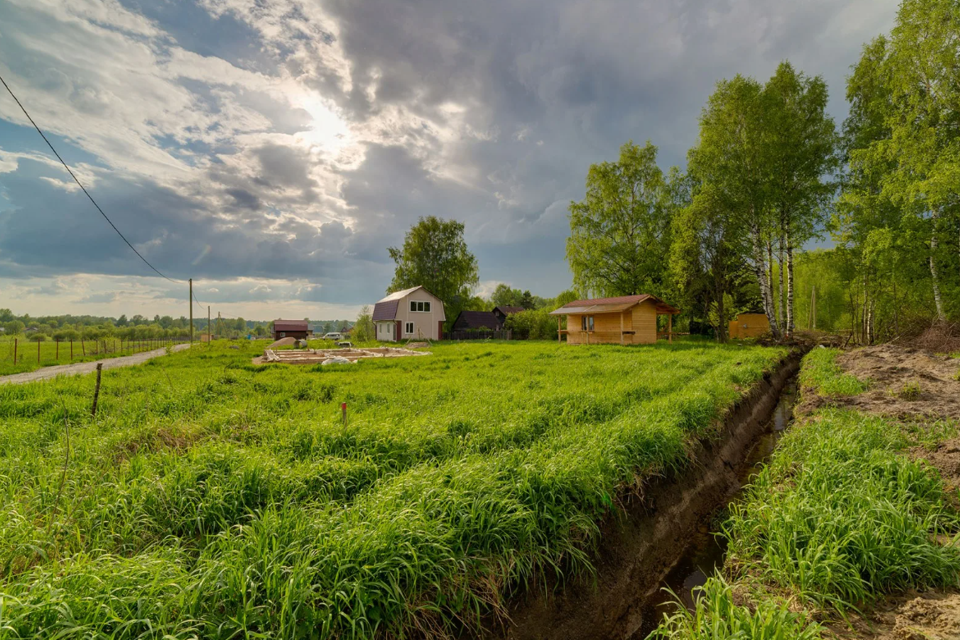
x=477, y=320
x=411, y=314
x=503, y=312
x=299, y=329
x=749, y=325
x=622, y=320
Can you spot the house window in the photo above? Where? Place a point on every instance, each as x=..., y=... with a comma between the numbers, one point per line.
x=419, y=306
x=408, y=328
x=586, y=323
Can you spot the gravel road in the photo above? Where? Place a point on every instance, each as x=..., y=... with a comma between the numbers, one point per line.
x=46, y=373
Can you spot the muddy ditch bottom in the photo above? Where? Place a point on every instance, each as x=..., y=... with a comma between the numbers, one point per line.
x=318, y=356
x=707, y=549
x=662, y=537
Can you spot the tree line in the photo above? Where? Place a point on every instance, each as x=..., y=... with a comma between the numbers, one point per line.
x=771, y=171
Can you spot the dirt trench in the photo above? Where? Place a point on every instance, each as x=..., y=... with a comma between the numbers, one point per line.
x=640, y=546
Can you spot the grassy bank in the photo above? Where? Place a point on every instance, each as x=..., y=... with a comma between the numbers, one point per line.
x=839, y=518
x=217, y=498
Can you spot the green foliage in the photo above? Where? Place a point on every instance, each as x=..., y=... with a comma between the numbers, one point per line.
x=215, y=498
x=620, y=233
x=822, y=375
x=903, y=144
x=435, y=255
x=911, y=390
x=363, y=330
x=534, y=324
x=717, y=616
x=841, y=518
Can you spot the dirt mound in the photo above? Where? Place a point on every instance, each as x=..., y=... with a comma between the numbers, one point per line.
x=904, y=382
x=283, y=342
x=417, y=345
x=946, y=458
x=940, y=338
x=931, y=615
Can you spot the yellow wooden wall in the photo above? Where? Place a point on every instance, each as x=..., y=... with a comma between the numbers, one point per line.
x=645, y=323
x=749, y=325
x=642, y=319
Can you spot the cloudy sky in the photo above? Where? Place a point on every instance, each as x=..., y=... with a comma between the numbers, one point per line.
x=273, y=150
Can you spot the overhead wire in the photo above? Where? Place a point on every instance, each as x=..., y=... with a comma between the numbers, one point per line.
x=84, y=189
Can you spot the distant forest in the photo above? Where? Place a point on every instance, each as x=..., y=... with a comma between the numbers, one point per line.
x=71, y=327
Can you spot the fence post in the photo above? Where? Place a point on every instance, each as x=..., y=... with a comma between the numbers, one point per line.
x=38, y=352
x=71, y=348
x=96, y=391
x=83, y=348
x=58, y=350
x=15, y=342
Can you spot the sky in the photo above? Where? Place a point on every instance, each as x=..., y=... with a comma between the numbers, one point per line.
x=272, y=151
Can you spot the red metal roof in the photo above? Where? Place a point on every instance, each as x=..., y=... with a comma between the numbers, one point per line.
x=291, y=325
x=610, y=305
x=386, y=310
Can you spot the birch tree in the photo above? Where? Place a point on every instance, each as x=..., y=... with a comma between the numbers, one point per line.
x=802, y=149
x=733, y=161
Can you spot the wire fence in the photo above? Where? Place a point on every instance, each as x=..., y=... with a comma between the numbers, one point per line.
x=21, y=354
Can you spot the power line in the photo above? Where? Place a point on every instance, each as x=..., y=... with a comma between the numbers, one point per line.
x=134, y=249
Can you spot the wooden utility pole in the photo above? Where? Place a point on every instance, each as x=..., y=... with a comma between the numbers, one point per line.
x=191, y=310
x=209, y=339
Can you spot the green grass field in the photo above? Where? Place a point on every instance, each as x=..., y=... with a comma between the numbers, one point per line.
x=50, y=353
x=218, y=498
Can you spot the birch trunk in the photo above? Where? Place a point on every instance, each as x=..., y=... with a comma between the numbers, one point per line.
x=781, y=293
x=789, y=327
x=760, y=268
x=934, y=273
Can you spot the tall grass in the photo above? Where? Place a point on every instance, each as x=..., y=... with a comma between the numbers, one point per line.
x=717, y=616
x=822, y=375
x=222, y=499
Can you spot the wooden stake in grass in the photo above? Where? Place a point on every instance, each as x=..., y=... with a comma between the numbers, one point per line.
x=343, y=409
x=96, y=391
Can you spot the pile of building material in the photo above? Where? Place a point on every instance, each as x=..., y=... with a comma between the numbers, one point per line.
x=319, y=356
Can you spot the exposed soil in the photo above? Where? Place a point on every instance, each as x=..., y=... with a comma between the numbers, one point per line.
x=928, y=615
x=640, y=546
x=905, y=383
x=946, y=458
x=282, y=342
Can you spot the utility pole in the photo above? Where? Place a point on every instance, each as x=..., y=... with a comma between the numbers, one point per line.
x=191, y=310
x=209, y=338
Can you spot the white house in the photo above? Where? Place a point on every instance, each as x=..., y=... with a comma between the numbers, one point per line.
x=411, y=314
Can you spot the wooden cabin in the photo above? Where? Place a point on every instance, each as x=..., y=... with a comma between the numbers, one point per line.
x=749, y=325
x=622, y=320
x=299, y=329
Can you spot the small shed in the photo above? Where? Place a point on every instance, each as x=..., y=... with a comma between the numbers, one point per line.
x=749, y=325
x=299, y=329
x=503, y=312
x=620, y=320
x=476, y=321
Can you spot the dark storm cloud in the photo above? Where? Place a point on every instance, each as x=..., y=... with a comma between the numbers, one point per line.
x=486, y=112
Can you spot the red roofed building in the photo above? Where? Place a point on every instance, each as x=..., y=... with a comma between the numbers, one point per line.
x=299, y=329
x=622, y=320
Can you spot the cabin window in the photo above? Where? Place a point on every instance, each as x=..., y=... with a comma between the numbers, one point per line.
x=408, y=328
x=416, y=305
x=586, y=323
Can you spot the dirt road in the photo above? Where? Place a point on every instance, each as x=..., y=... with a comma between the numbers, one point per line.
x=79, y=368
